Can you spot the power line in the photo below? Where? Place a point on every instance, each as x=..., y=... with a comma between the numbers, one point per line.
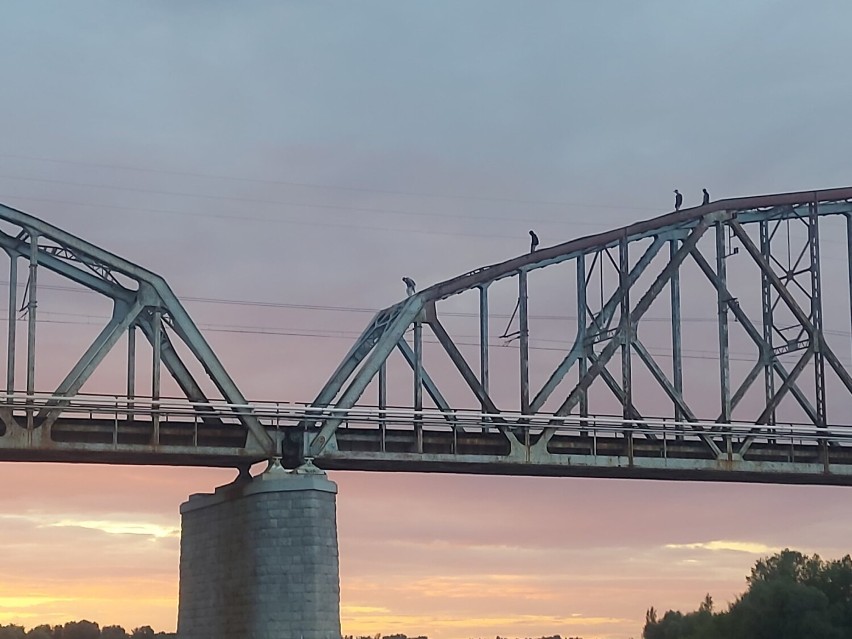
x=253, y=218
x=368, y=310
x=694, y=354
x=330, y=207
x=212, y=176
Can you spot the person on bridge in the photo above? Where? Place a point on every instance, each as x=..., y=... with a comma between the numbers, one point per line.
x=706, y=198
x=410, y=286
x=678, y=200
x=533, y=241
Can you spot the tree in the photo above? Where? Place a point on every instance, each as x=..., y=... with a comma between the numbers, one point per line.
x=81, y=630
x=12, y=632
x=143, y=631
x=789, y=596
x=113, y=632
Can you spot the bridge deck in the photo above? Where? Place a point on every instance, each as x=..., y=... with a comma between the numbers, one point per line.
x=101, y=430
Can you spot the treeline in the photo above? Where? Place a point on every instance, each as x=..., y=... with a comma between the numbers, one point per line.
x=789, y=596
x=81, y=630
x=398, y=636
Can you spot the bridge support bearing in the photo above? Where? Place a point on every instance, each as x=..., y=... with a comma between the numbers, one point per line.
x=259, y=559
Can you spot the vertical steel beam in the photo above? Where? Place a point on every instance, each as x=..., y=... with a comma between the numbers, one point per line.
x=524, y=341
x=418, y=383
x=849, y=259
x=722, y=310
x=677, y=334
x=157, y=344
x=131, y=370
x=383, y=400
x=32, y=304
x=626, y=328
x=483, y=341
x=13, y=312
x=582, y=309
x=816, y=313
x=766, y=308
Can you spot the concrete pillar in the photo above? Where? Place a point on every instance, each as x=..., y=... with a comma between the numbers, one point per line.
x=258, y=560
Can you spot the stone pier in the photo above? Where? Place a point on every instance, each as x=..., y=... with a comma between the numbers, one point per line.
x=258, y=559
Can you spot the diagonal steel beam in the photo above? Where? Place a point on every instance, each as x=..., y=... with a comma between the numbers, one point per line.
x=817, y=337
x=428, y=382
x=360, y=349
x=752, y=332
x=408, y=311
x=662, y=379
x=617, y=391
x=675, y=395
x=186, y=329
x=772, y=404
x=459, y=360
x=635, y=315
x=593, y=329
x=763, y=418
x=122, y=318
x=752, y=376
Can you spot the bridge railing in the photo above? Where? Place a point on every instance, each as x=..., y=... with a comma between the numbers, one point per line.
x=662, y=436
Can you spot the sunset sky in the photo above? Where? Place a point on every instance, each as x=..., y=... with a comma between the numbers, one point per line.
x=303, y=156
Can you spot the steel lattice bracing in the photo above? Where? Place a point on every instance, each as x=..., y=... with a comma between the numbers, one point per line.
x=41, y=422
x=711, y=343
x=741, y=281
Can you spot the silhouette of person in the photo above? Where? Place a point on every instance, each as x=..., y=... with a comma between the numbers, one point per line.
x=533, y=241
x=410, y=286
x=678, y=200
x=706, y=198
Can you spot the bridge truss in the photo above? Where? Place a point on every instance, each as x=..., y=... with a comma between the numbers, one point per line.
x=48, y=425
x=740, y=282
x=709, y=343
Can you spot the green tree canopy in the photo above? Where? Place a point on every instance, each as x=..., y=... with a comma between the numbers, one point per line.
x=789, y=596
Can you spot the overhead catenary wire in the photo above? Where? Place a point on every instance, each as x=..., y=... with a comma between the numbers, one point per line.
x=373, y=310
x=695, y=354
x=315, y=185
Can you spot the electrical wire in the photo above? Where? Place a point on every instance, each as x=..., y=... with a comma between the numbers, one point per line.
x=314, y=185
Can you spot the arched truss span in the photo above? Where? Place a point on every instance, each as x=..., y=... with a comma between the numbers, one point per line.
x=741, y=284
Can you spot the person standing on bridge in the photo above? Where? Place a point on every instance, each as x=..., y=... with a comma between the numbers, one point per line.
x=678, y=200
x=410, y=286
x=706, y=199
x=533, y=241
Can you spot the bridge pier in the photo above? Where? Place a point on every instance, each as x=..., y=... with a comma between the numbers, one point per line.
x=259, y=559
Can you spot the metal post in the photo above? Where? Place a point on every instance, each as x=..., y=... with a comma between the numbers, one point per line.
x=722, y=309
x=483, y=342
x=849, y=257
x=418, y=383
x=816, y=313
x=626, y=328
x=157, y=327
x=524, y=342
x=131, y=371
x=766, y=306
x=32, y=304
x=677, y=335
x=13, y=312
x=383, y=402
x=582, y=308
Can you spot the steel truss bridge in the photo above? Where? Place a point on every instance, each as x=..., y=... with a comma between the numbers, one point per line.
x=709, y=343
